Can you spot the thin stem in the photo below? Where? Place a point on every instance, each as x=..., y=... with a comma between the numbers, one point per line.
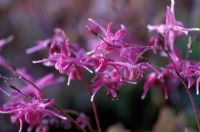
x=194, y=106
x=85, y=83
x=12, y=68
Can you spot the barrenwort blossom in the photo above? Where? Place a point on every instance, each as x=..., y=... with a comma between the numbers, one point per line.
x=171, y=29
x=31, y=112
x=166, y=79
x=109, y=40
x=113, y=62
x=109, y=78
x=64, y=56
x=41, y=83
x=178, y=68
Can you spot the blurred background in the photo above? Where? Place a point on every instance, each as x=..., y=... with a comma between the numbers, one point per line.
x=32, y=20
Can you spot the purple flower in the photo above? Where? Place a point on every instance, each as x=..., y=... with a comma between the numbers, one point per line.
x=41, y=83
x=109, y=40
x=190, y=71
x=31, y=112
x=166, y=79
x=54, y=44
x=109, y=78
x=172, y=28
x=64, y=56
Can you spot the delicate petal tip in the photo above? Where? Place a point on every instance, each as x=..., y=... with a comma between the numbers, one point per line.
x=172, y=5
x=94, y=94
x=197, y=86
x=69, y=80
x=62, y=117
x=131, y=82
x=29, y=51
x=55, y=114
x=89, y=53
x=151, y=27
x=20, y=125
x=92, y=97
x=91, y=20
x=123, y=26
x=166, y=97
x=40, y=61
x=37, y=61
x=86, y=68
x=143, y=96
x=193, y=29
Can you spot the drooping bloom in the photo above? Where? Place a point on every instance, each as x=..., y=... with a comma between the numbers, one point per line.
x=166, y=78
x=31, y=112
x=64, y=56
x=109, y=40
x=109, y=78
x=41, y=83
x=115, y=61
x=171, y=29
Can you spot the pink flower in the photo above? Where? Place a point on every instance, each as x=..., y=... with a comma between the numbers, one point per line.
x=31, y=112
x=64, y=56
x=166, y=79
x=190, y=71
x=109, y=40
x=109, y=78
x=41, y=83
x=54, y=44
x=172, y=28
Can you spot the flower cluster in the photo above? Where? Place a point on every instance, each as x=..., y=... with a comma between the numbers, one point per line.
x=114, y=62
x=113, y=67
x=187, y=70
x=27, y=104
x=32, y=112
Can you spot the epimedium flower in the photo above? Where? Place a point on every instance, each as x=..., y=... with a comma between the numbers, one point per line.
x=166, y=79
x=64, y=56
x=109, y=40
x=190, y=71
x=172, y=28
x=109, y=78
x=31, y=112
x=41, y=83
x=54, y=44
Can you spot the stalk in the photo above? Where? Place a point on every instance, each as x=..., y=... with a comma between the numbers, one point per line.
x=12, y=68
x=85, y=83
x=194, y=106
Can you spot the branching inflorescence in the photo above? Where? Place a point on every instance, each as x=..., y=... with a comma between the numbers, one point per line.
x=113, y=61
